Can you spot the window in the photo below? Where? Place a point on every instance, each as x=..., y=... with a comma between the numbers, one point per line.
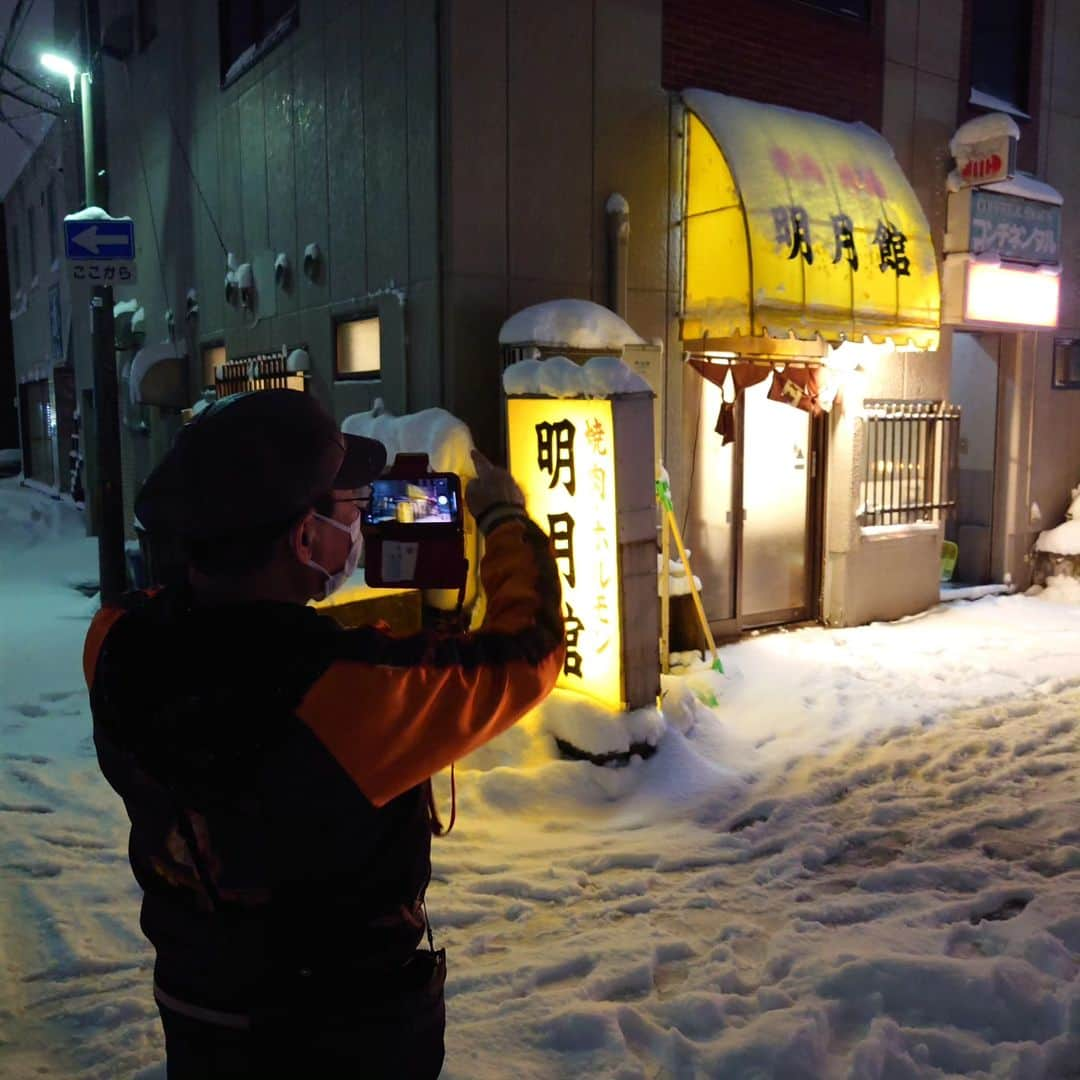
x=54, y=224
x=856, y=9
x=30, y=246
x=1001, y=54
x=1066, y=375
x=263, y=371
x=909, y=461
x=357, y=354
x=147, y=20
x=213, y=358
x=249, y=29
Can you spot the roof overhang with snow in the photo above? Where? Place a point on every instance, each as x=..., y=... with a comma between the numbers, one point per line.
x=802, y=228
x=159, y=376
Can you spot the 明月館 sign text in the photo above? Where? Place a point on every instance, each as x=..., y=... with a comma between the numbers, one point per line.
x=562, y=453
x=835, y=241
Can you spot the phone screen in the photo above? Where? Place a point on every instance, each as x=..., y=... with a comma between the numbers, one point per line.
x=423, y=500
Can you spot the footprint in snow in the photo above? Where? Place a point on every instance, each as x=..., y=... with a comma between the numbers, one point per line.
x=33, y=759
x=34, y=870
x=58, y=695
x=1008, y=909
x=32, y=711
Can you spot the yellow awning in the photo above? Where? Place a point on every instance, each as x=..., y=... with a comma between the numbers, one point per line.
x=799, y=225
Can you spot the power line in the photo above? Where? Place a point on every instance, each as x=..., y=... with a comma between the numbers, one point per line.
x=150, y=205
x=6, y=121
x=195, y=179
x=41, y=88
x=8, y=92
x=13, y=30
x=24, y=115
x=19, y=29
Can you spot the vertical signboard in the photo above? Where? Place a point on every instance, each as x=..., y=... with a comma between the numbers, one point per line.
x=562, y=453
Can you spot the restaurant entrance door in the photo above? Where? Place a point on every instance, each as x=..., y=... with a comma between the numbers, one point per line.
x=754, y=514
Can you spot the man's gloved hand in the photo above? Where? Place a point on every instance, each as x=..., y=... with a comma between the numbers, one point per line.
x=493, y=494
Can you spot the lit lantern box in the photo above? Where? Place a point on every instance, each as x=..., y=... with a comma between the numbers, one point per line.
x=586, y=467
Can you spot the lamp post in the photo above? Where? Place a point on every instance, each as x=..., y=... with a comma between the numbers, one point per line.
x=107, y=487
x=61, y=65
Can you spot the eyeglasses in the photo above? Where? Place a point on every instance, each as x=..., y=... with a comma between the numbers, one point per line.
x=361, y=502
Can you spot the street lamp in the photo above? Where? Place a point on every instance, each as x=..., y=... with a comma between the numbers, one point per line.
x=107, y=494
x=61, y=65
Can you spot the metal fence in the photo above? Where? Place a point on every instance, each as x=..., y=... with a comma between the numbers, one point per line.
x=910, y=461
x=264, y=371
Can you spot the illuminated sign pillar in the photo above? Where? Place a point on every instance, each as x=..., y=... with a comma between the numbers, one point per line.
x=586, y=467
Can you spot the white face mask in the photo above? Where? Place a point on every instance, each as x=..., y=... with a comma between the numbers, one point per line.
x=335, y=581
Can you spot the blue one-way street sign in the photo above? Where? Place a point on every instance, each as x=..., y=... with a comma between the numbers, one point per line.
x=103, y=239
x=100, y=249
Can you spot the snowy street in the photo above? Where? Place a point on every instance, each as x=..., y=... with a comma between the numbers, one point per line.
x=856, y=854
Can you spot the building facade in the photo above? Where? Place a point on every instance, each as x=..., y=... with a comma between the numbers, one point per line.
x=381, y=185
x=45, y=327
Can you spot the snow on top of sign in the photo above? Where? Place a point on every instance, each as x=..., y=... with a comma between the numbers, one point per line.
x=717, y=111
x=560, y=377
x=991, y=126
x=1027, y=187
x=93, y=213
x=1021, y=185
x=569, y=324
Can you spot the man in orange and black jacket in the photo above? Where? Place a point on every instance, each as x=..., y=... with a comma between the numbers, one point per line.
x=276, y=770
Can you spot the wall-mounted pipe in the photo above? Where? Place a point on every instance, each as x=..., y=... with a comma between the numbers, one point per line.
x=618, y=236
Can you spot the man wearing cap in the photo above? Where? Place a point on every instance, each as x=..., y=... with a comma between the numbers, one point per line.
x=276, y=770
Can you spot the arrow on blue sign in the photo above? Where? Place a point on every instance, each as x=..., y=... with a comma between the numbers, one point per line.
x=100, y=239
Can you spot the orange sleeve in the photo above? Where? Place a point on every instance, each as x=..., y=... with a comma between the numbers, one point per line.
x=398, y=717
x=102, y=623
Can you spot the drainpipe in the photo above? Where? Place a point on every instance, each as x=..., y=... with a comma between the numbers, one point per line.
x=618, y=236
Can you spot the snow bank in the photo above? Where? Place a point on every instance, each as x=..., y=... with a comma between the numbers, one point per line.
x=595, y=729
x=1060, y=589
x=1064, y=539
x=569, y=324
x=445, y=439
x=29, y=521
x=560, y=377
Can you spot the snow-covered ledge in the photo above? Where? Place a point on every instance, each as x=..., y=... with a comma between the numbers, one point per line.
x=898, y=532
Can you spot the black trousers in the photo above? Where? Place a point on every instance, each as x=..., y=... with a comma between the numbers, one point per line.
x=396, y=1035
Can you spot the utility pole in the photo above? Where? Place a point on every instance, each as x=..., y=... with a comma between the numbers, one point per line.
x=107, y=489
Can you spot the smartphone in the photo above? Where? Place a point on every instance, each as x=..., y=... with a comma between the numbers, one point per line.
x=414, y=532
x=422, y=501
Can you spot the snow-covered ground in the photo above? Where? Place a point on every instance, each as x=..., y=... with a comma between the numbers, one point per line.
x=855, y=855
